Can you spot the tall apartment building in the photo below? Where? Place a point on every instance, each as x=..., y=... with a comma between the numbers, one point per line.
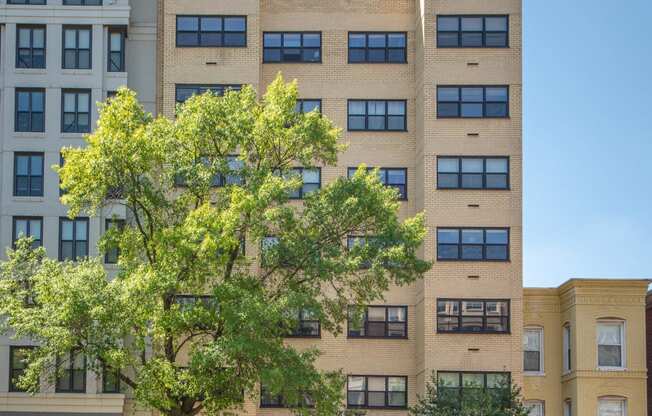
x=57, y=59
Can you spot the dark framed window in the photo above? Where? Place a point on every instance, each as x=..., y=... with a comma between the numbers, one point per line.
x=27, y=2
x=28, y=174
x=188, y=302
x=473, y=244
x=472, y=31
x=211, y=31
x=378, y=47
x=111, y=381
x=473, y=316
x=71, y=373
x=30, y=46
x=77, y=47
x=270, y=400
x=306, y=105
x=311, y=178
x=472, y=172
x=82, y=2
x=116, y=49
x=76, y=114
x=17, y=365
x=185, y=91
x=292, y=47
x=232, y=177
x=73, y=238
x=378, y=322
x=376, y=392
x=308, y=325
x=28, y=227
x=377, y=115
x=112, y=254
x=473, y=102
x=459, y=385
x=30, y=110
x=392, y=177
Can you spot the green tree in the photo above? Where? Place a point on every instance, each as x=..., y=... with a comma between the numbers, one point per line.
x=195, y=189
x=471, y=400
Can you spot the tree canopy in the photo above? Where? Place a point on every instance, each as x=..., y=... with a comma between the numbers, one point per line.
x=208, y=212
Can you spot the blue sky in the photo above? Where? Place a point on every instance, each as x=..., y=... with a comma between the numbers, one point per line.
x=587, y=139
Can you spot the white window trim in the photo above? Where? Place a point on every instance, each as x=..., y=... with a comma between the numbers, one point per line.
x=567, y=405
x=623, y=345
x=542, y=368
x=535, y=403
x=622, y=400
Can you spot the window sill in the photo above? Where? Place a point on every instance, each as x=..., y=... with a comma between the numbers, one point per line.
x=116, y=74
x=533, y=374
x=73, y=135
x=388, y=338
x=29, y=135
x=611, y=369
x=31, y=71
x=28, y=199
x=348, y=406
x=77, y=71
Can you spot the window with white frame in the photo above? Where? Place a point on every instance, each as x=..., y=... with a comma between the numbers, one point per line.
x=533, y=350
x=612, y=406
x=536, y=408
x=611, y=351
x=568, y=408
x=566, y=335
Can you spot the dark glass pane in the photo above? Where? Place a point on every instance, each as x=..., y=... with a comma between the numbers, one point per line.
x=187, y=39
x=497, y=181
x=396, y=55
x=447, y=110
x=211, y=39
x=311, y=40
x=472, y=236
x=356, y=123
x=376, y=399
x=472, y=252
x=496, y=94
x=356, y=55
x=447, y=180
x=235, y=39
x=376, y=41
x=396, y=398
x=291, y=55
x=473, y=110
x=496, y=39
x=376, y=122
x=272, y=55
x=609, y=356
x=472, y=39
x=311, y=55
x=497, y=237
x=272, y=40
x=498, y=324
x=396, y=40
x=79, y=380
x=234, y=24
x=376, y=55
x=496, y=110
x=472, y=181
x=36, y=188
x=447, y=39
x=355, y=398
x=495, y=24
x=396, y=330
x=472, y=24
x=531, y=361
x=472, y=324
x=445, y=251
x=210, y=24
x=81, y=250
x=22, y=186
x=447, y=323
x=496, y=252
x=23, y=122
x=473, y=94
x=66, y=250
x=448, y=236
x=448, y=23
x=84, y=59
x=396, y=122
x=357, y=40
x=445, y=94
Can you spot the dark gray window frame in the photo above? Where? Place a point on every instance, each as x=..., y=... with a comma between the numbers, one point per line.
x=29, y=175
x=76, y=49
x=366, y=49
x=82, y=2
x=30, y=112
x=107, y=386
x=484, y=173
x=122, y=67
x=217, y=89
x=303, y=318
x=484, y=102
x=31, y=48
x=74, y=240
x=109, y=256
x=403, y=196
x=484, y=32
x=300, y=48
x=367, y=391
x=386, y=322
x=13, y=388
x=484, y=244
x=460, y=388
x=28, y=2
x=301, y=191
x=199, y=31
x=460, y=316
x=366, y=115
x=71, y=375
x=14, y=236
x=301, y=102
x=76, y=92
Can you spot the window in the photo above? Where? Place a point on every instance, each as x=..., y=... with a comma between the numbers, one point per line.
x=473, y=244
x=267, y=399
x=77, y=47
x=82, y=2
x=533, y=350
x=71, y=377
x=268, y=243
x=116, y=50
x=183, y=92
x=612, y=407
x=211, y=31
x=568, y=408
x=311, y=181
x=377, y=47
x=17, y=366
x=377, y=115
x=378, y=322
x=112, y=254
x=111, y=381
x=611, y=351
x=30, y=110
x=30, y=2
x=28, y=174
x=473, y=102
x=232, y=177
x=472, y=32
x=308, y=324
x=472, y=172
x=567, y=344
x=472, y=316
x=28, y=227
x=536, y=408
x=458, y=385
x=30, y=46
x=392, y=177
x=376, y=391
x=308, y=105
x=76, y=115
x=73, y=239
x=292, y=47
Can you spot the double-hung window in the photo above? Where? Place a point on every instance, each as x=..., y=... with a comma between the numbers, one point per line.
x=17, y=366
x=378, y=322
x=30, y=110
x=376, y=392
x=306, y=105
x=77, y=47
x=71, y=373
x=211, y=31
x=116, y=49
x=611, y=345
x=473, y=244
x=612, y=406
x=270, y=400
x=311, y=181
x=472, y=172
x=308, y=324
x=473, y=101
x=76, y=115
x=30, y=46
x=533, y=350
x=82, y=2
x=28, y=174
x=111, y=381
x=472, y=316
x=73, y=238
x=536, y=408
x=113, y=253
x=460, y=385
x=377, y=115
x=568, y=407
x=292, y=47
x=567, y=348
x=27, y=2
x=392, y=177
x=377, y=47
x=28, y=227
x=185, y=91
x=472, y=31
